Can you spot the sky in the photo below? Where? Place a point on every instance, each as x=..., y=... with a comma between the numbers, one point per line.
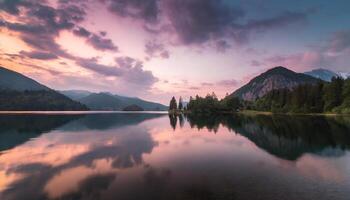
x=156, y=49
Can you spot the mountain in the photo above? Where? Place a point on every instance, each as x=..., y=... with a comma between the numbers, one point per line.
x=20, y=93
x=146, y=105
x=11, y=80
x=108, y=101
x=75, y=94
x=102, y=101
x=344, y=75
x=275, y=78
x=323, y=74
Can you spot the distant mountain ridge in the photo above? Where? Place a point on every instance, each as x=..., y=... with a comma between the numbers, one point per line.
x=102, y=101
x=326, y=74
x=108, y=101
x=275, y=78
x=344, y=75
x=20, y=93
x=75, y=94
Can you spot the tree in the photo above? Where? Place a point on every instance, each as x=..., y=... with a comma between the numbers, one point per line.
x=345, y=106
x=173, y=104
x=230, y=103
x=346, y=93
x=333, y=96
x=180, y=104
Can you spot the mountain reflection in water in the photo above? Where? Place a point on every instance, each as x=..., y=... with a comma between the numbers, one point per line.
x=160, y=156
x=285, y=136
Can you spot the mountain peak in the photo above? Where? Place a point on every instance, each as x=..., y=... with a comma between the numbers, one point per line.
x=278, y=68
x=274, y=78
x=323, y=74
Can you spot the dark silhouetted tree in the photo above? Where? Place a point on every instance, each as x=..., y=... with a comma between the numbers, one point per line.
x=173, y=104
x=333, y=93
x=180, y=104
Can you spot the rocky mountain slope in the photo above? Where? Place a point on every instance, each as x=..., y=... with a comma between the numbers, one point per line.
x=275, y=78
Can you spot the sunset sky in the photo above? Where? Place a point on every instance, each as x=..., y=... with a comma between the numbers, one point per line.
x=155, y=49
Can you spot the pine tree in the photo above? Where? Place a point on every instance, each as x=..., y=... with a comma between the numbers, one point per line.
x=180, y=104
x=333, y=96
x=345, y=107
x=173, y=104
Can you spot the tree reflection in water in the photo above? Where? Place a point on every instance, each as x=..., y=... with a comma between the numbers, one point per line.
x=124, y=156
x=285, y=136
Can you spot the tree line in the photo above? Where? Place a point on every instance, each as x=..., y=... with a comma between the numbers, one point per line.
x=206, y=105
x=40, y=100
x=308, y=98
x=321, y=97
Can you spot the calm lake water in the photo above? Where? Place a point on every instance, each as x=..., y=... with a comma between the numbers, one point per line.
x=154, y=156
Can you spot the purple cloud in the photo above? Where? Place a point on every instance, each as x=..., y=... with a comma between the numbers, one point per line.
x=146, y=10
x=230, y=82
x=256, y=63
x=207, y=84
x=126, y=68
x=81, y=32
x=339, y=42
x=92, y=65
x=222, y=46
x=155, y=49
x=276, y=21
x=101, y=43
x=196, y=22
x=38, y=55
x=201, y=20
x=45, y=23
x=96, y=41
x=333, y=53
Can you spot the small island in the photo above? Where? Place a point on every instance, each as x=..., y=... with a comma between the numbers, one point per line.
x=133, y=107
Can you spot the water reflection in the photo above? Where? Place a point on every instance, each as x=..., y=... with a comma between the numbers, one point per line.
x=17, y=129
x=123, y=148
x=173, y=120
x=288, y=137
x=155, y=156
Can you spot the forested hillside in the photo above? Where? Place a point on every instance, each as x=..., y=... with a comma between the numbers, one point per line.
x=318, y=98
x=40, y=100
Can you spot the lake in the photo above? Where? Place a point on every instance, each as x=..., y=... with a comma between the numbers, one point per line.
x=155, y=156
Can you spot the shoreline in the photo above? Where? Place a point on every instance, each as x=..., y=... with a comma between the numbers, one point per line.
x=78, y=112
x=254, y=112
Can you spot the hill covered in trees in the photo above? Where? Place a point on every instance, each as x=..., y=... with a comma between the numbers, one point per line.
x=307, y=98
x=40, y=100
x=108, y=101
x=20, y=93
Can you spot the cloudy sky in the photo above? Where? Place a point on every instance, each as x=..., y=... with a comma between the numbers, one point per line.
x=155, y=49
